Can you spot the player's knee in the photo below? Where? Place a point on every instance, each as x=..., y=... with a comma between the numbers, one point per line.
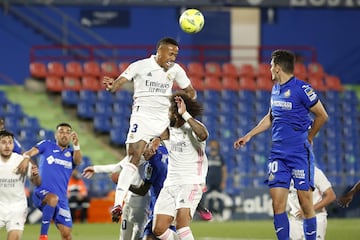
x=66, y=235
x=158, y=230
x=52, y=199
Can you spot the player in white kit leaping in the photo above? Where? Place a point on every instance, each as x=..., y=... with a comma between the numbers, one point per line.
x=153, y=79
x=13, y=203
x=187, y=169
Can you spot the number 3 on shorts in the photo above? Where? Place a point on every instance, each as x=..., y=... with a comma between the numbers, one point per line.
x=134, y=128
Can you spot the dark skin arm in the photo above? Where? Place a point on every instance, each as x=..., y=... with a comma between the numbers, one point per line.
x=345, y=200
x=141, y=189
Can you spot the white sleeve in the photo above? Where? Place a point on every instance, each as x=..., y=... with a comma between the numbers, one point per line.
x=107, y=168
x=321, y=181
x=181, y=78
x=130, y=72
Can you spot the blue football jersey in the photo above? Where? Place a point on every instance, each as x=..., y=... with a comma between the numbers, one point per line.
x=290, y=104
x=155, y=173
x=55, y=167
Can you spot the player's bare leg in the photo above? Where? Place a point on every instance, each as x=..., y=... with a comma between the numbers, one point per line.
x=134, y=152
x=65, y=232
x=161, y=228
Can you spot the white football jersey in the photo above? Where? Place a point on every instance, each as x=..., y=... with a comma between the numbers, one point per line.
x=321, y=185
x=188, y=163
x=12, y=187
x=153, y=85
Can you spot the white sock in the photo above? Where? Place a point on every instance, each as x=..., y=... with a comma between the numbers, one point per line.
x=185, y=233
x=125, y=179
x=168, y=235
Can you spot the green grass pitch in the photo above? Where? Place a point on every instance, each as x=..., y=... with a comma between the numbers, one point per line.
x=235, y=230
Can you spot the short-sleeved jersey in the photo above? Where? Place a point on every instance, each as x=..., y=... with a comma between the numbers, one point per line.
x=155, y=173
x=12, y=187
x=290, y=104
x=188, y=163
x=321, y=185
x=153, y=85
x=55, y=167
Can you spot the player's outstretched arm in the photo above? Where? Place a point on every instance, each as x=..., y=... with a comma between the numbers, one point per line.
x=345, y=200
x=140, y=189
x=23, y=166
x=262, y=126
x=112, y=85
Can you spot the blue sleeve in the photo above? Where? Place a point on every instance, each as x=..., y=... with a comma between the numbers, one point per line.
x=42, y=145
x=17, y=147
x=308, y=95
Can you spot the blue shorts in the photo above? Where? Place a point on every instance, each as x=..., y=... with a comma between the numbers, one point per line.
x=62, y=213
x=291, y=162
x=148, y=228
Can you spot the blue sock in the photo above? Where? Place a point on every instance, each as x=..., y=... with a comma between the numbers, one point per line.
x=310, y=228
x=281, y=223
x=48, y=213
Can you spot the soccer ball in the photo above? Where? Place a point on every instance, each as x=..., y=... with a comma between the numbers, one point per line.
x=191, y=21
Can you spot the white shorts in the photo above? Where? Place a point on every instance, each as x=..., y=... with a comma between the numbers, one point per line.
x=134, y=217
x=297, y=229
x=14, y=219
x=147, y=123
x=172, y=198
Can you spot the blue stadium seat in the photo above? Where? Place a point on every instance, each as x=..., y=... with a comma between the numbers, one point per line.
x=101, y=185
x=13, y=109
x=13, y=124
x=104, y=109
x=228, y=108
x=212, y=96
x=120, y=122
x=46, y=134
x=31, y=123
x=118, y=137
x=69, y=98
x=331, y=96
x=121, y=109
x=229, y=96
x=247, y=96
x=85, y=110
x=87, y=96
x=3, y=99
x=105, y=96
x=124, y=97
x=86, y=161
x=102, y=124
x=262, y=97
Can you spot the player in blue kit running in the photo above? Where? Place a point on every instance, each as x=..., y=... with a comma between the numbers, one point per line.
x=57, y=161
x=293, y=132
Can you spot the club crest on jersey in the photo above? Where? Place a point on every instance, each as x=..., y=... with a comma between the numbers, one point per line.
x=287, y=93
x=310, y=93
x=67, y=154
x=170, y=76
x=271, y=177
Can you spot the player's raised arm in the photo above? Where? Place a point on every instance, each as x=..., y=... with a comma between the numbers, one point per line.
x=23, y=166
x=112, y=85
x=262, y=126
